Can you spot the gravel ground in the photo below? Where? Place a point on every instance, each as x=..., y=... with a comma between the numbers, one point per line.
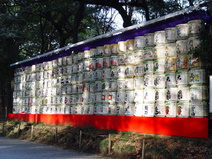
x=19, y=149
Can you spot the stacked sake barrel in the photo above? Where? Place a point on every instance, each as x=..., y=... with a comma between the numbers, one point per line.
x=150, y=75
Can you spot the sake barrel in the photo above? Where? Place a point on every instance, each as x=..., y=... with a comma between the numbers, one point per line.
x=182, y=31
x=75, y=58
x=93, y=53
x=195, y=27
x=105, y=108
x=182, y=77
x=148, y=109
x=171, y=94
x=148, y=67
x=120, y=97
x=129, y=96
x=149, y=39
x=170, y=79
x=181, y=47
x=183, y=108
x=170, y=34
x=100, y=51
x=121, y=84
x=138, y=56
x=104, y=97
x=79, y=78
x=198, y=109
x=98, y=97
x=99, y=63
x=129, y=58
x=79, y=98
x=160, y=51
x=170, y=49
x=73, y=79
x=129, y=84
x=159, y=81
x=149, y=53
x=98, y=74
x=194, y=62
x=92, y=87
x=92, y=76
x=198, y=92
x=138, y=82
x=197, y=76
x=149, y=94
x=92, y=64
x=192, y=43
x=121, y=59
x=122, y=47
x=79, y=88
x=114, y=60
x=105, y=85
x=111, y=97
x=138, y=95
x=130, y=45
x=120, y=109
x=98, y=86
x=160, y=109
x=90, y=109
x=139, y=70
x=112, y=109
x=129, y=109
x=79, y=57
x=85, y=66
x=69, y=60
x=114, y=48
x=139, y=42
x=107, y=50
x=159, y=65
x=121, y=71
x=84, y=109
x=114, y=72
x=92, y=98
x=160, y=95
x=170, y=64
x=183, y=93
x=113, y=85
x=129, y=71
x=86, y=54
x=106, y=62
x=182, y=62
x=138, y=110
x=171, y=108
x=106, y=73
x=149, y=80
x=85, y=97
x=159, y=37
x=85, y=76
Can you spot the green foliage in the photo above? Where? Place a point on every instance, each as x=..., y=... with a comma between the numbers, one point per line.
x=205, y=48
x=103, y=147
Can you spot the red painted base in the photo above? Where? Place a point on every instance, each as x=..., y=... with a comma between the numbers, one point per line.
x=187, y=127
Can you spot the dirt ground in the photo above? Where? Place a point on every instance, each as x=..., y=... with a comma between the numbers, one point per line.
x=110, y=143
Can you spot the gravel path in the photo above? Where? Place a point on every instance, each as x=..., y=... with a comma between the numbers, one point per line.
x=19, y=149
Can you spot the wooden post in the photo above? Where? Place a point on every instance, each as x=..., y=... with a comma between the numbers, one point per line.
x=56, y=132
x=109, y=143
x=80, y=139
x=19, y=126
x=143, y=147
x=32, y=129
x=2, y=126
